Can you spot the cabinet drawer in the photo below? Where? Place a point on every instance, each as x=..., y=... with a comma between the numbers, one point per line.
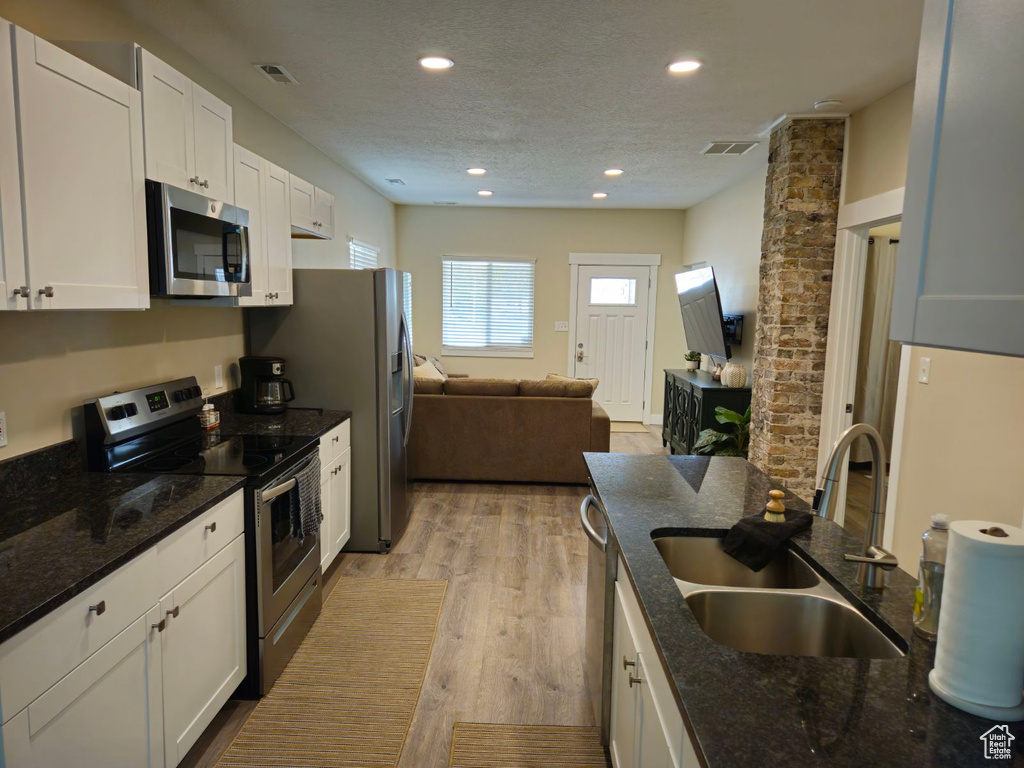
x=334, y=443
x=188, y=548
x=39, y=656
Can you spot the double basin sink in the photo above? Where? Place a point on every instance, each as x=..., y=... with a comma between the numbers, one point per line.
x=783, y=609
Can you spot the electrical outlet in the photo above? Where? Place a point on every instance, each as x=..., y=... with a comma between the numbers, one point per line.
x=924, y=373
x=3, y=429
x=562, y=325
x=218, y=377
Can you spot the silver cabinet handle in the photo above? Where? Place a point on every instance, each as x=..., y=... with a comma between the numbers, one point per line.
x=173, y=613
x=206, y=183
x=99, y=609
x=23, y=291
x=160, y=626
x=636, y=680
x=193, y=180
x=587, y=527
x=47, y=291
x=212, y=527
x=336, y=438
x=626, y=663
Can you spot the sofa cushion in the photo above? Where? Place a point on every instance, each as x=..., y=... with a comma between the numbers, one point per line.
x=542, y=388
x=427, y=371
x=576, y=387
x=428, y=386
x=485, y=387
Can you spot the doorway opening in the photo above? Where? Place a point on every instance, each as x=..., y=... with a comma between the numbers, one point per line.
x=612, y=300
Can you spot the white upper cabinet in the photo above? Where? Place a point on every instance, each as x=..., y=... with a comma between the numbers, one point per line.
x=12, y=250
x=277, y=220
x=312, y=210
x=188, y=132
x=960, y=274
x=249, y=195
x=83, y=182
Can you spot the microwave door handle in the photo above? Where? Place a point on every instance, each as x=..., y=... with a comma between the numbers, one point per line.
x=238, y=271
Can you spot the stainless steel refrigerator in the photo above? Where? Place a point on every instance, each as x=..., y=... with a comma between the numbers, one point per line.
x=347, y=346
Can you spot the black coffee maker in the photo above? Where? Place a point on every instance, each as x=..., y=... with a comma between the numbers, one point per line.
x=264, y=387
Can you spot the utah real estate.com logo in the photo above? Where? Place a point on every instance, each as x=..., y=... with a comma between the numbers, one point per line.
x=997, y=742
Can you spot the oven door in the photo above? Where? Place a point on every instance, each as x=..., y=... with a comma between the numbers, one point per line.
x=283, y=563
x=199, y=247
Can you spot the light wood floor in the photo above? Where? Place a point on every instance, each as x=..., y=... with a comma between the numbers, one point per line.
x=509, y=645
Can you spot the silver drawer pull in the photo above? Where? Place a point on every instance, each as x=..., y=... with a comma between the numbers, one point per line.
x=160, y=626
x=636, y=680
x=99, y=609
x=205, y=184
x=47, y=291
x=23, y=291
x=173, y=613
x=626, y=664
x=212, y=527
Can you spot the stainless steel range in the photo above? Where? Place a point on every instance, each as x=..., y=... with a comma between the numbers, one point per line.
x=156, y=429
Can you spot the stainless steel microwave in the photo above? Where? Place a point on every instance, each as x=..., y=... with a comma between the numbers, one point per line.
x=198, y=247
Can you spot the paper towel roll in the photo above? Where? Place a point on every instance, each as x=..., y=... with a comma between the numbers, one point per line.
x=980, y=653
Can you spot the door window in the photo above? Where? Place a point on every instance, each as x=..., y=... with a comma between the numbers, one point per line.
x=613, y=291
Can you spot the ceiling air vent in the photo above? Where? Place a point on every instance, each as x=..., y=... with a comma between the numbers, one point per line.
x=444, y=202
x=395, y=182
x=276, y=72
x=733, y=148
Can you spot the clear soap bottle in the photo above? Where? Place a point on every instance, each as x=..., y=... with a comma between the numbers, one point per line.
x=928, y=596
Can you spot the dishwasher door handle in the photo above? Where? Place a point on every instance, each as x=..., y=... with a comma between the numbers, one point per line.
x=593, y=535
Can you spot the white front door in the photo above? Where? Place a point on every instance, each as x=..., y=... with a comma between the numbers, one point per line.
x=611, y=336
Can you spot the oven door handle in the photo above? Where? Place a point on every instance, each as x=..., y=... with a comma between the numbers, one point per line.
x=588, y=528
x=277, y=490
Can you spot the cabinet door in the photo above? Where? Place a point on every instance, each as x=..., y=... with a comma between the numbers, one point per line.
x=960, y=275
x=652, y=744
x=213, y=142
x=108, y=711
x=323, y=212
x=249, y=170
x=83, y=182
x=203, y=647
x=12, y=250
x=167, y=120
x=278, y=224
x=301, y=194
x=341, y=503
x=623, y=745
x=326, y=486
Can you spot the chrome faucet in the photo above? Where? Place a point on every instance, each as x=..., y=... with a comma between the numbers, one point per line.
x=873, y=559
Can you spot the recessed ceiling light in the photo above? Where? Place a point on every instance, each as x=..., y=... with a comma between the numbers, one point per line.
x=485, y=193
x=599, y=195
x=686, y=65
x=614, y=172
x=476, y=171
x=436, y=62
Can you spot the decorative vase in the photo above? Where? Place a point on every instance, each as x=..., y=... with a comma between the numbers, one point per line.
x=734, y=375
x=692, y=365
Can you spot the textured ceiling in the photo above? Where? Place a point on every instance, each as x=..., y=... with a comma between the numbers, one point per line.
x=545, y=94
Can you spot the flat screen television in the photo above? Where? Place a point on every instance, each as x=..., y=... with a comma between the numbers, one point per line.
x=701, y=307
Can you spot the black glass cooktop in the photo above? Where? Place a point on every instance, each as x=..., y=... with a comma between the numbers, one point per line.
x=216, y=454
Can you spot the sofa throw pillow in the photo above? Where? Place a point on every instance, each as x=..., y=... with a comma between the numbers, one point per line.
x=485, y=387
x=427, y=371
x=418, y=359
x=576, y=387
x=542, y=388
x=437, y=364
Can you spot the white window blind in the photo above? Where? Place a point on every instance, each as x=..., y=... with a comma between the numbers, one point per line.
x=487, y=308
x=407, y=300
x=362, y=255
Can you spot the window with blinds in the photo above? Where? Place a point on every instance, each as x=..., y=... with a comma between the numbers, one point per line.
x=407, y=300
x=487, y=308
x=362, y=255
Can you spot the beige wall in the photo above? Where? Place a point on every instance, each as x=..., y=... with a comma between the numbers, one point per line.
x=51, y=362
x=879, y=137
x=425, y=233
x=725, y=231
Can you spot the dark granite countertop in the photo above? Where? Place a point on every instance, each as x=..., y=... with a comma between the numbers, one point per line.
x=295, y=422
x=746, y=709
x=63, y=529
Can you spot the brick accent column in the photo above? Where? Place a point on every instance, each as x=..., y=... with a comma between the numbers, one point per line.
x=797, y=249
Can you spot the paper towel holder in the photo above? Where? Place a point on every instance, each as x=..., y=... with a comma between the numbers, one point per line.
x=1003, y=714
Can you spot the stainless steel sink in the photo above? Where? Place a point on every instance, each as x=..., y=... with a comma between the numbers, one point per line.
x=789, y=624
x=701, y=560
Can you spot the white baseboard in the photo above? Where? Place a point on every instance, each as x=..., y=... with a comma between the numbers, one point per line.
x=654, y=420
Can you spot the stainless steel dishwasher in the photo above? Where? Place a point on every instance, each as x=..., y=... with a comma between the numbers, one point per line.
x=602, y=562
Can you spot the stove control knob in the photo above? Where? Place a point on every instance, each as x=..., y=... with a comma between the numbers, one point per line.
x=179, y=395
x=116, y=413
x=131, y=409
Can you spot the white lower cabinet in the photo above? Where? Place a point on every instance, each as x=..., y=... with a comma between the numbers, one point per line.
x=341, y=502
x=336, y=492
x=202, y=647
x=646, y=727
x=106, y=712
x=144, y=696
x=326, y=475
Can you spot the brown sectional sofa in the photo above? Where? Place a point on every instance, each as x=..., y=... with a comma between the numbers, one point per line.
x=504, y=430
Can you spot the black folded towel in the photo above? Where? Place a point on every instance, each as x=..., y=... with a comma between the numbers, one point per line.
x=755, y=542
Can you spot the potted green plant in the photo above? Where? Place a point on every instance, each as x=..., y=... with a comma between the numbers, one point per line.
x=692, y=360
x=733, y=442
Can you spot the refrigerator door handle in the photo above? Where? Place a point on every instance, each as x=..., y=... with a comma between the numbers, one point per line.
x=407, y=348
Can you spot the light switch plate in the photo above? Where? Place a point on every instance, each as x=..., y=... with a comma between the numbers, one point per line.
x=218, y=377
x=3, y=429
x=924, y=373
x=562, y=325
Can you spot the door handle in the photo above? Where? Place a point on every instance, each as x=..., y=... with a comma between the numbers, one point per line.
x=580, y=356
